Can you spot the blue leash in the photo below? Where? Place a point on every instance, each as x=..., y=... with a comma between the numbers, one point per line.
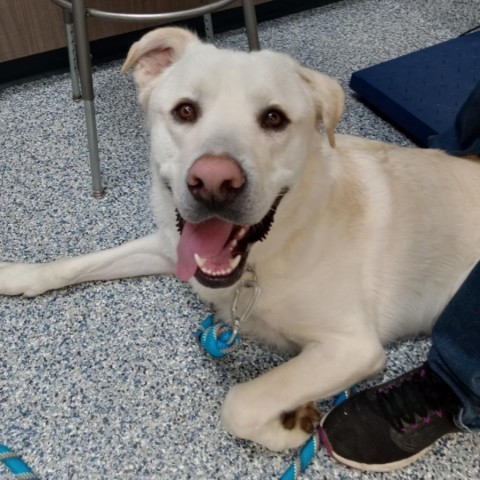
x=219, y=339
x=16, y=465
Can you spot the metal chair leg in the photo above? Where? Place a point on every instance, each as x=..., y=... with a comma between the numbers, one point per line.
x=208, y=24
x=251, y=24
x=72, y=55
x=85, y=70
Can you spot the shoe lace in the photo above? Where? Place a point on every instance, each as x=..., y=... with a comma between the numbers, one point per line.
x=420, y=395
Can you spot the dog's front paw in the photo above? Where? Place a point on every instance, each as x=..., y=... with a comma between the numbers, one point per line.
x=306, y=418
x=247, y=417
x=24, y=279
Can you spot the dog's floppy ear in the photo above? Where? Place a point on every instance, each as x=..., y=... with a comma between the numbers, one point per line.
x=154, y=52
x=328, y=98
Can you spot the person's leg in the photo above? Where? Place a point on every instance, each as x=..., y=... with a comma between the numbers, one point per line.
x=456, y=336
x=390, y=426
x=455, y=352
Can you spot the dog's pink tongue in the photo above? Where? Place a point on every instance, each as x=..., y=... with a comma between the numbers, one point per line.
x=206, y=239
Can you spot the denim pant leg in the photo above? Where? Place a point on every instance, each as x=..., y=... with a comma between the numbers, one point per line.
x=455, y=352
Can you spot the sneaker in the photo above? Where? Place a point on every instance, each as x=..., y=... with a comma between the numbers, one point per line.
x=388, y=427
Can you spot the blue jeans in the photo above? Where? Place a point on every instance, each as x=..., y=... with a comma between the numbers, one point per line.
x=455, y=352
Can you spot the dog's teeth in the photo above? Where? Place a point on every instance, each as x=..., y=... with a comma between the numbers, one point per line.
x=199, y=260
x=234, y=262
x=241, y=233
x=233, y=244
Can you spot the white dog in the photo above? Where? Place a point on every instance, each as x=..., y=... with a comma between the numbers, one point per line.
x=353, y=242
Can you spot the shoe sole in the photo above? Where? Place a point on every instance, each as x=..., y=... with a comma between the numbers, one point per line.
x=380, y=468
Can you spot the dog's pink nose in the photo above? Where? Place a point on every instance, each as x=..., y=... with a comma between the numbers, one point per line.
x=215, y=179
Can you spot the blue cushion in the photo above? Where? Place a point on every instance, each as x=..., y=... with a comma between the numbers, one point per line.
x=422, y=92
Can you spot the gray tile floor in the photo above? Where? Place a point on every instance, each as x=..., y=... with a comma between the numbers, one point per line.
x=105, y=380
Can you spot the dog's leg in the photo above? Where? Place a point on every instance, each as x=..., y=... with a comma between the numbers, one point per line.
x=256, y=410
x=138, y=257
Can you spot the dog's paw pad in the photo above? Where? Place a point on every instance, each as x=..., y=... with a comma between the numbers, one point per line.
x=306, y=417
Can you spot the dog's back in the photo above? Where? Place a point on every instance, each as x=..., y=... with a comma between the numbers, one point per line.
x=427, y=236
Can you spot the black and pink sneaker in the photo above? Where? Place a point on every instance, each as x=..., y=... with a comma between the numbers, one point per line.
x=390, y=426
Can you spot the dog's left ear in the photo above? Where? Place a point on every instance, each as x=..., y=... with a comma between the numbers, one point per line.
x=328, y=98
x=153, y=53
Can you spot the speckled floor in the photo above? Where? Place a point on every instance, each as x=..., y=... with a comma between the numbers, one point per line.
x=105, y=380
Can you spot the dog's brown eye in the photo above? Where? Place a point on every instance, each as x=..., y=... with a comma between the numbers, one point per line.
x=274, y=119
x=185, y=112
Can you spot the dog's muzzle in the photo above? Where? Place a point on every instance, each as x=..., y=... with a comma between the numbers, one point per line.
x=214, y=243
x=215, y=251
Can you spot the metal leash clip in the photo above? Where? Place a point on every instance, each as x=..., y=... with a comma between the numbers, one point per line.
x=237, y=320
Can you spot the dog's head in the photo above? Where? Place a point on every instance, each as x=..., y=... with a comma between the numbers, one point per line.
x=230, y=137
